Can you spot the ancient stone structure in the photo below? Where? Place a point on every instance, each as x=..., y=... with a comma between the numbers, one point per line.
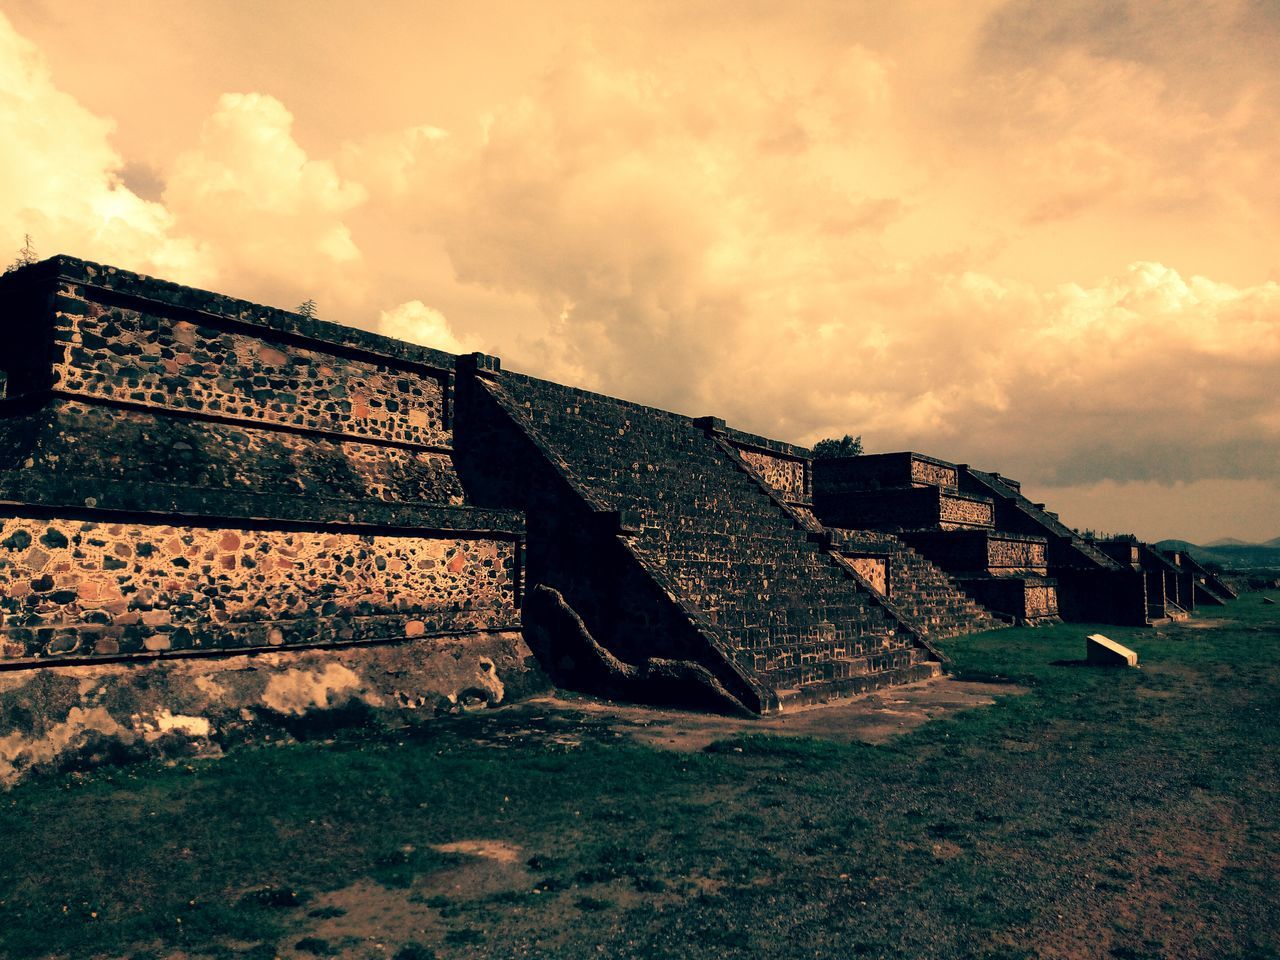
x=919, y=499
x=1091, y=587
x=1173, y=582
x=1202, y=585
x=217, y=516
x=186, y=478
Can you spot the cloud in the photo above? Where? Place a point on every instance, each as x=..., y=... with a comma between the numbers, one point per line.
x=246, y=210
x=1082, y=131
x=643, y=212
x=1040, y=238
x=60, y=178
x=384, y=163
x=273, y=216
x=1145, y=376
x=1152, y=376
x=1199, y=511
x=415, y=322
x=712, y=246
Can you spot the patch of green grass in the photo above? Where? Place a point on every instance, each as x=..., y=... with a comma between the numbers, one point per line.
x=981, y=834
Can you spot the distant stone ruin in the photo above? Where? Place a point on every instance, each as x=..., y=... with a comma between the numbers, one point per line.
x=217, y=517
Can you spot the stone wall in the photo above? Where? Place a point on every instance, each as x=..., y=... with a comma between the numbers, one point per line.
x=72, y=588
x=914, y=584
x=787, y=476
x=785, y=467
x=875, y=570
x=882, y=471
x=1124, y=552
x=930, y=473
x=77, y=440
x=903, y=508
x=958, y=511
x=201, y=493
x=116, y=353
x=1016, y=553
x=1040, y=601
x=975, y=551
x=1027, y=600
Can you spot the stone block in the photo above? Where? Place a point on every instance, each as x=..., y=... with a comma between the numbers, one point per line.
x=1104, y=652
x=480, y=364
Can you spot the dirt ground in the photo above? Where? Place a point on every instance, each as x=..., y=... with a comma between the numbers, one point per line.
x=870, y=718
x=1078, y=813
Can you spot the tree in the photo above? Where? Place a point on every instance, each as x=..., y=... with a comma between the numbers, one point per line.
x=26, y=255
x=1090, y=534
x=831, y=448
x=307, y=309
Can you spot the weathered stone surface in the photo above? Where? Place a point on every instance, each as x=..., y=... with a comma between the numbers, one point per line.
x=79, y=440
x=899, y=508
x=1105, y=652
x=933, y=473
x=919, y=500
x=1092, y=587
x=58, y=717
x=989, y=551
x=882, y=471
x=874, y=570
x=187, y=476
x=121, y=354
x=784, y=474
x=171, y=587
x=962, y=511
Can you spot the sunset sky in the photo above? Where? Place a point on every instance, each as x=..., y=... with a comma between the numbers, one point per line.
x=1041, y=238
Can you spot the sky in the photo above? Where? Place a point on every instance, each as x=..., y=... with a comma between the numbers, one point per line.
x=1039, y=238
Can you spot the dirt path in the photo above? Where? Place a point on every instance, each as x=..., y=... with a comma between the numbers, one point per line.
x=870, y=718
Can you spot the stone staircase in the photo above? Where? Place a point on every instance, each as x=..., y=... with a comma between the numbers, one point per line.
x=1066, y=545
x=1212, y=594
x=919, y=500
x=921, y=589
x=787, y=612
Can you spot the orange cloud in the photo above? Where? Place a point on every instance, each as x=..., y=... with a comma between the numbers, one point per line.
x=868, y=218
x=60, y=177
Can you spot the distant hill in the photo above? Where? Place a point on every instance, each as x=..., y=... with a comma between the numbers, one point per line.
x=1231, y=554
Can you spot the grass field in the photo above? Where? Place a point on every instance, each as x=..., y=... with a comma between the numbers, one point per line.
x=1103, y=813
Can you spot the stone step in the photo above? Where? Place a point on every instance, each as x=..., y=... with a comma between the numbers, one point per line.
x=825, y=691
x=712, y=534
